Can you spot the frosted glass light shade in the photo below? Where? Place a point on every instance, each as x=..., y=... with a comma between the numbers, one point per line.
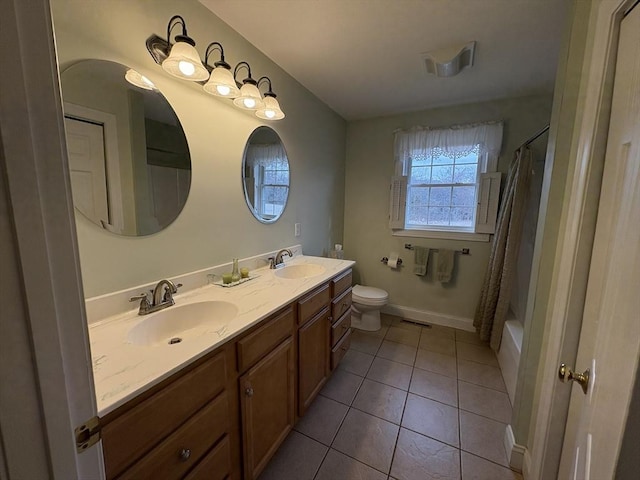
x=184, y=62
x=139, y=80
x=222, y=84
x=271, y=109
x=249, y=98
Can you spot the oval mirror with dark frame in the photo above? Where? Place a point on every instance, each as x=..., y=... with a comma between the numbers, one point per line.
x=129, y=159
x=265, y=175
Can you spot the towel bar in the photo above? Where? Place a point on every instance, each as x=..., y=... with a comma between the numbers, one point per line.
x=463, y=251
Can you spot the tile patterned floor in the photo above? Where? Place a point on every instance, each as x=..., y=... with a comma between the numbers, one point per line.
x=407, y=403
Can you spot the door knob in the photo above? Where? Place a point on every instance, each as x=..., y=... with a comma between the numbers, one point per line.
x=566, y=374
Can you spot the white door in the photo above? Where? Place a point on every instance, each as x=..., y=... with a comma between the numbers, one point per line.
x=85, y=146
x=610, y=337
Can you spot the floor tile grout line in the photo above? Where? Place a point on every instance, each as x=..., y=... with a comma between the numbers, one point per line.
x=350, y=407
x=455, y=346
x=489, y=460
x=404, y=408
x=330, y=443
x=482, y=386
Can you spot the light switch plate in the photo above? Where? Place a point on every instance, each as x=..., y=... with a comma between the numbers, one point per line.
x=298, y=229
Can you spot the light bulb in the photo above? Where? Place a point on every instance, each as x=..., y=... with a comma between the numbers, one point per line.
x=249, y=102
x=269, y=113
x=187, y=68
x=223, y=89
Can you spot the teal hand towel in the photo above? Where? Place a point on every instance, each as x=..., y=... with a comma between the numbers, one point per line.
x=444, y=268
x=420, y=260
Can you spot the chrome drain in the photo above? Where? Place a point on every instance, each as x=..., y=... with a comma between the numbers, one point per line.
x=175, y=340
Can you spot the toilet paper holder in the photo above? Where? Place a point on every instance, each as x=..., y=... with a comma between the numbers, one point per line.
x=385, y=260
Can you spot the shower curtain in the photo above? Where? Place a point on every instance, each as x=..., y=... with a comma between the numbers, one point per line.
x=493, y=305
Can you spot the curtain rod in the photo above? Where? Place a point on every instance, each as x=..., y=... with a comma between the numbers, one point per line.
x=535, y=136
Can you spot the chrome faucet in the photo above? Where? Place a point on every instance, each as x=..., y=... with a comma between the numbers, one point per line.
x=278, y=260
x=161, y=297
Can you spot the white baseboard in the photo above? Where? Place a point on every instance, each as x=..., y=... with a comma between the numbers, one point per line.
x=515, y=453
x=526, y=468
x=424, y=316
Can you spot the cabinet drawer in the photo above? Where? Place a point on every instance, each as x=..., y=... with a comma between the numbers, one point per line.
x=339, y=328
x=257, y=344
x=340, y=283
x=313, y=303
x=340, y=349
x=132, y=434
x=169, y=460
x=341, y=305
x=216, y=465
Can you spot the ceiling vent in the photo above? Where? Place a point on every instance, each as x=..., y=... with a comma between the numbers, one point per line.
x=448, y=62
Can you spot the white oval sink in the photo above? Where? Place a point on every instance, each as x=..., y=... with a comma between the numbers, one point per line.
x=182, y=322
x=302, y=270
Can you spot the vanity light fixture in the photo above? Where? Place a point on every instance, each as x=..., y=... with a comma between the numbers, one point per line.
x=221, y=82
x=271, y=109
x=249, y=97
x=136, y=78
x=183, y=60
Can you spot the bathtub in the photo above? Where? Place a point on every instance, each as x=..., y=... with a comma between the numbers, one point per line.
x=509, y=354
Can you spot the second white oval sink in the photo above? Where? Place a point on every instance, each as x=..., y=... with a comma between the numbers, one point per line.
x=302, y=270
x=182, y=322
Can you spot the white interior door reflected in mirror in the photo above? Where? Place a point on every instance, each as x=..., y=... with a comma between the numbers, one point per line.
x=85, y=146
x=129, y=158
x=265, y=175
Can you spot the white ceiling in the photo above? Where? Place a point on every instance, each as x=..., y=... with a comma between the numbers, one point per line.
x=363, y=57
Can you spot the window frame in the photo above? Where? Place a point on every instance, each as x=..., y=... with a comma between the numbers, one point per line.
x=448, y=232
x=488, y=135
x=259, y=173
x=475, y=185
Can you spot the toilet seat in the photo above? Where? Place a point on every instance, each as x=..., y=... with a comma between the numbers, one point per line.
x=369, y=295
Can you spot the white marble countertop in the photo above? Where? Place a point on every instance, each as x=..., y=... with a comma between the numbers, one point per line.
x=123, y=370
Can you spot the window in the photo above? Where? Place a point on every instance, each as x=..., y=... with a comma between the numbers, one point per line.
x=441, y=191
x=272, y=187
x=266, y=179
x=444, y=185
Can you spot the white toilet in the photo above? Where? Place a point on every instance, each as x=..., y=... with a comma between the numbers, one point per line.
x=366, y=305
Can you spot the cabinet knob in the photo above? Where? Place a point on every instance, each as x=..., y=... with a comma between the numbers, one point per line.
x=185, y=453
x=248, y=392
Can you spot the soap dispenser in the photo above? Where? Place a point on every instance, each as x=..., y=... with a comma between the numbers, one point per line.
x=235, y=273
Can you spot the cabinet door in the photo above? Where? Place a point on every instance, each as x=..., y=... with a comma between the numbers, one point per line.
x=267, y=400
x=313, y=353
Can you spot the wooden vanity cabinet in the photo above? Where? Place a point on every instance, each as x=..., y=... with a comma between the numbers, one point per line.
x=341, y=317
x=314, y=324
x=167, y=431
x=224, y=416
x=266, y=389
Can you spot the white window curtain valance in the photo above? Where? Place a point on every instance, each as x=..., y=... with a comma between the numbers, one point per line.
x=267, y=155
x=453, y=142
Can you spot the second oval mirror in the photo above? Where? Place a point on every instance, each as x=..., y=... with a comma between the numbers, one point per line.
x=265, y=174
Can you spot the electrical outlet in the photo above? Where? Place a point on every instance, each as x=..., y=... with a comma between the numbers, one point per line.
x=298, y=229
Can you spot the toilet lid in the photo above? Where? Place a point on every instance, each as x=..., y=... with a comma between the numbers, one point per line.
x=370, y=293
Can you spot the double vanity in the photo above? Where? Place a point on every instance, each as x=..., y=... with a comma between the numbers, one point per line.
x=211, y=386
